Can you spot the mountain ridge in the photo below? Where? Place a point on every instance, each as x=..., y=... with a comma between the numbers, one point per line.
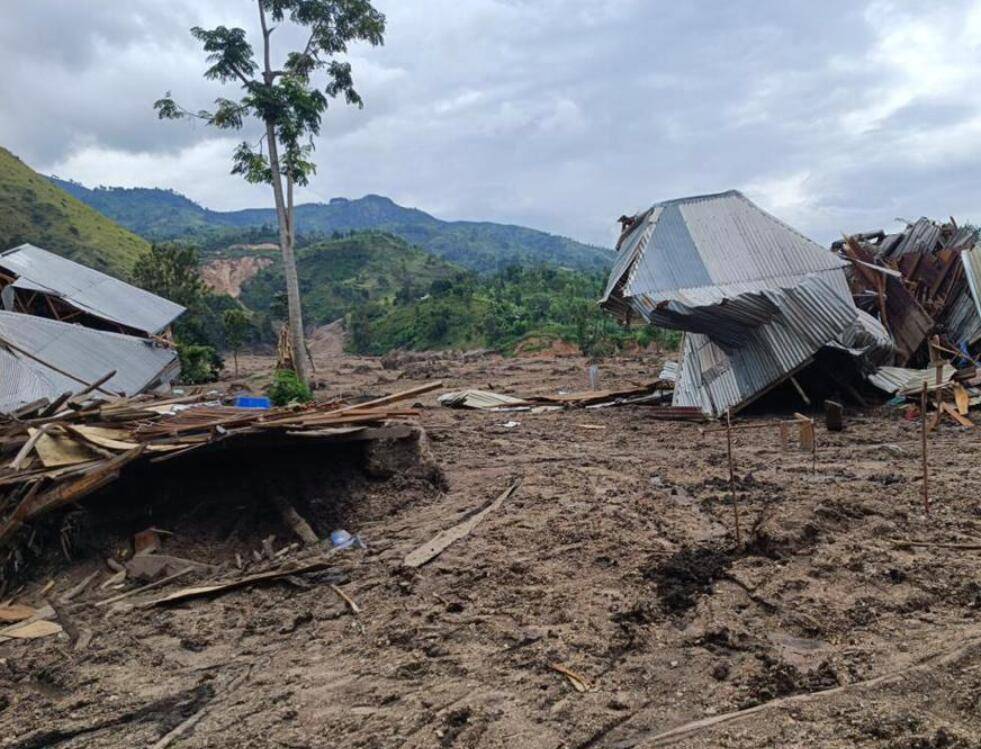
x=158, y=214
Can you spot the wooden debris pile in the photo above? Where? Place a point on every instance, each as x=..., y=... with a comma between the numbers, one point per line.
x=919, y=283
x=55, y=454
x=652, y=395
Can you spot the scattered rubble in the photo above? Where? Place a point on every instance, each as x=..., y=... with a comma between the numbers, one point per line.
x=55, y=460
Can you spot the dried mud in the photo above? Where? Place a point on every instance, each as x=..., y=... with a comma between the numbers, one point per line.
x=616, y=559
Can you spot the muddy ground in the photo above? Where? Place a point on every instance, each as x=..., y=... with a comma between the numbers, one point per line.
x=615, y=559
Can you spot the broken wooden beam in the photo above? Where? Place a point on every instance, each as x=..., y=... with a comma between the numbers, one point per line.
x=439, y=543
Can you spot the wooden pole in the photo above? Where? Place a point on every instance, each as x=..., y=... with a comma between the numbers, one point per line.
x=923, y=445
x=732, y=475
x=814, y=459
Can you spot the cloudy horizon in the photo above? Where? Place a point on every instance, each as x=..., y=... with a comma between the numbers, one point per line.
x=554, y=114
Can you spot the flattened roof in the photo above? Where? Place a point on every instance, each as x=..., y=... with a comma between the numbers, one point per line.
x=88, y=289
x=33, y=349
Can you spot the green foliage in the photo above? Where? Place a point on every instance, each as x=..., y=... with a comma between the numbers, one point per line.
x=285, y=99
x=34, y=210
x=341, y=275
x=173, y=271
x=480, y=246
x=287, y=388
x=199, y=363
x=236, y=323
x=501, y=311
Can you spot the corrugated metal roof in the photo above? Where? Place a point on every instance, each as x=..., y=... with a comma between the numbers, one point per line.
x=88, y=290
x=756, y=298
x=84, y=353
x=711, y=243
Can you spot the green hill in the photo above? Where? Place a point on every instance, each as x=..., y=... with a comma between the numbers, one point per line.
x=340, y=275
x=34, y=210
x=480, y=246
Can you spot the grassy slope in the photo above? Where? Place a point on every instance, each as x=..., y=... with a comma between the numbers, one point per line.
x=36, y=211
x=341, y=274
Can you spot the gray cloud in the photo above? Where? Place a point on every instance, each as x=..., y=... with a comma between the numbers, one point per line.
x=559, y=114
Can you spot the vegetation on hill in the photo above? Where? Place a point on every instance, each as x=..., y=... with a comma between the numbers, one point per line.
x=212, y=322
x=342, y=274
x=480, y=246
x=34, y=210
x=518, y=305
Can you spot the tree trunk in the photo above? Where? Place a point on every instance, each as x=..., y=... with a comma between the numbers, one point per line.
x=235, y=357
x=289, y=260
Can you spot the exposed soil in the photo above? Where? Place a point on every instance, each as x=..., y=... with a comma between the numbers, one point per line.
x=229, y=275
x=616, y=559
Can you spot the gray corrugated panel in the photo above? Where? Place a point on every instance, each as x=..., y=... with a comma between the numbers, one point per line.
x=85, y=353
x=909, y=381
x=669, y=372
x=20, y=383
x=756, y=298
x=630, y=248
x=921, y=237
x=715, y=377
x=721, y=241
x=971, y=259
x=964, y=238
x=88, y=289
x=961, y=319
x=868, y=339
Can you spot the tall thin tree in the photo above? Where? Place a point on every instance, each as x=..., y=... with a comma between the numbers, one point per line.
x=287, y=104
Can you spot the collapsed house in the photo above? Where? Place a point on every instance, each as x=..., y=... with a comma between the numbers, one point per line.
x=756, y=300
x=921, y=282
x=67, y=329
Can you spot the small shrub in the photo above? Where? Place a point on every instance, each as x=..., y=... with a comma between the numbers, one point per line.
x=199, y=363
x=286, y=388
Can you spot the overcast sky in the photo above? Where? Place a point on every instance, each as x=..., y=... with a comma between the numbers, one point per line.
x=557, y=114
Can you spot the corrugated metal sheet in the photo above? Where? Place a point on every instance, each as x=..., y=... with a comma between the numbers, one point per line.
x=82, y=352
x=756, y=298
x=481, y=399
x=909, y=381
x=971, y=259
x=716, y=244
x=88, y=289
x=630, y=249
x=921, y=237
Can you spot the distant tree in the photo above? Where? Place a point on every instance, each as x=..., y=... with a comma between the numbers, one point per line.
x=171, y=270
x=286, y=103
x=236, y=323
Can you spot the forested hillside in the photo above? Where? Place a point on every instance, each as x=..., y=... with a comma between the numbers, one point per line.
x=481, y=246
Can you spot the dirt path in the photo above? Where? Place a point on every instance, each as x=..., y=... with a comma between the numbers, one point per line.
x=614, y=559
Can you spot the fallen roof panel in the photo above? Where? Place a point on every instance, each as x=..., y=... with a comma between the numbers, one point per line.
x=40, y=357
x=88, y=290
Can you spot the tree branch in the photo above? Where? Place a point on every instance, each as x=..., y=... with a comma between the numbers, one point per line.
x=240, y=74
x=265, y=42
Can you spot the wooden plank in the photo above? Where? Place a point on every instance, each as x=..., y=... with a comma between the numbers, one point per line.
x=206, y=591
x=956, y=416
x=433, y=548
x=962, y=398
